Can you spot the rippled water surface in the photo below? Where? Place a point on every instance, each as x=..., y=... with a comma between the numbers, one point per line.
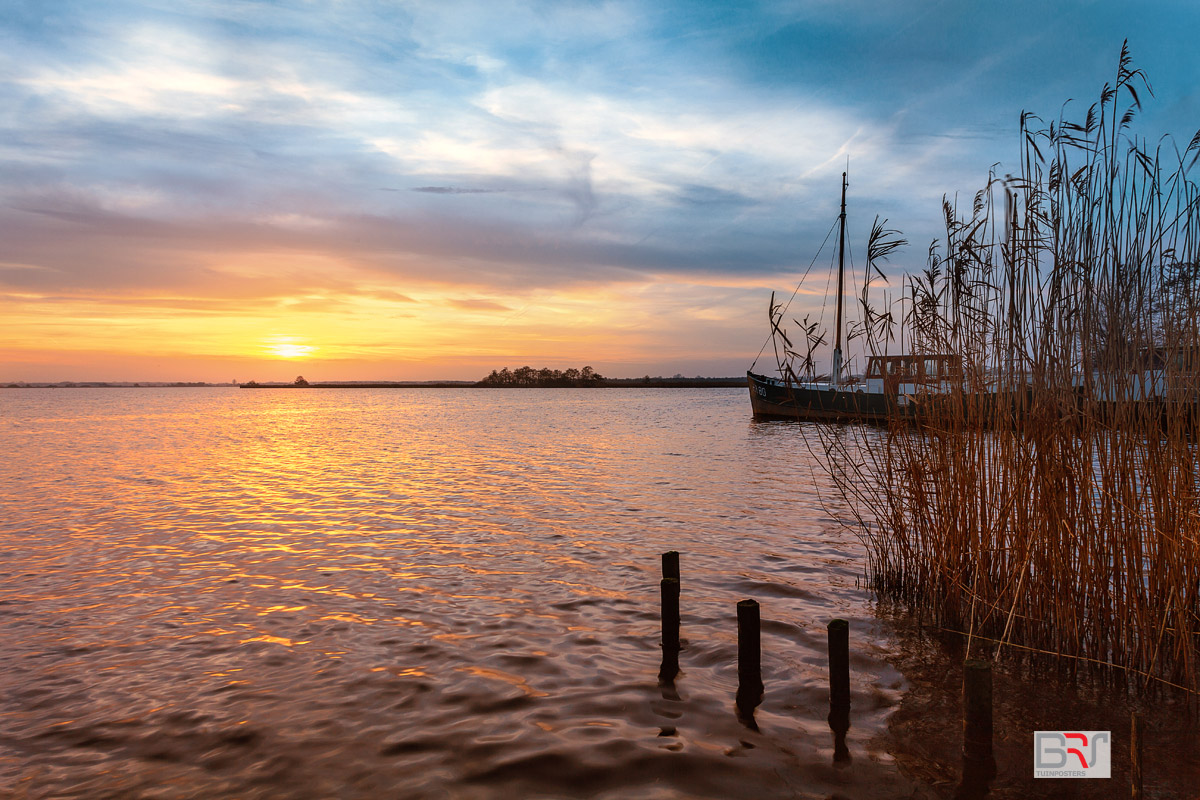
x=419, y=594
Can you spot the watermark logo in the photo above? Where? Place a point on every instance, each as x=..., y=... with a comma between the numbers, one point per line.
x=1072, y=754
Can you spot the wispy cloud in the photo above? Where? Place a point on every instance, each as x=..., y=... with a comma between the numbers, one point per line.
x=476, y=304
x=452, y=190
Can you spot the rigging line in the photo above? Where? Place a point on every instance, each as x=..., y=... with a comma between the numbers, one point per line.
x=854, y=288
x=828, y=282
x=795, y=292
x=833, y=260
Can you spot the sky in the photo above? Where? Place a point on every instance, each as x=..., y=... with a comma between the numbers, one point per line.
x=210, y=190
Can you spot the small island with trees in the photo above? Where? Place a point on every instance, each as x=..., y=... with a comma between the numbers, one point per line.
x=528, y=376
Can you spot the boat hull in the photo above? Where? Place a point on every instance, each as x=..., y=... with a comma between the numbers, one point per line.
x=773, y=399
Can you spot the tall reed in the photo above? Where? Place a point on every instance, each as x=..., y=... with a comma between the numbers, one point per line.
x=1054, y=506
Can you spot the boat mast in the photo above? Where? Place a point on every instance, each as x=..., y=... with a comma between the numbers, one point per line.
x=836, y=377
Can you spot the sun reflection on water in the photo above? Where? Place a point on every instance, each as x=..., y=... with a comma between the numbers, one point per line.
x=341, y=593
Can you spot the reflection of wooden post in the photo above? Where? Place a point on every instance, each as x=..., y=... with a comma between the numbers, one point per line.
x=669, y=668
x=839, y=686
x=839, y=723
x=1135, y=754
x=669, y=589
x=839, y=665
x=749, y=650
x=670, y=564
x=977, y=710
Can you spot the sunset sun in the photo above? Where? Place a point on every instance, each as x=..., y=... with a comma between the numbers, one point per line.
x=287, y=347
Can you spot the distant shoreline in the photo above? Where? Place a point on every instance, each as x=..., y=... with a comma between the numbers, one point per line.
x=607, y=383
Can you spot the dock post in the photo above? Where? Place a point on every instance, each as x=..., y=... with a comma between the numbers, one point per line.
x=977, y=710
x=839, y=664
x=669, y=591
x=1135, y=754
x=749, y=645
x=750, y=685
x=670, y=564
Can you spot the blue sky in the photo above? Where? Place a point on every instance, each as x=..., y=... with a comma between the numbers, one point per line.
x=433, y=190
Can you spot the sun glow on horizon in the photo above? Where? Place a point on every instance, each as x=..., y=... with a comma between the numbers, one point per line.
x=288, y=347
x=426, y=330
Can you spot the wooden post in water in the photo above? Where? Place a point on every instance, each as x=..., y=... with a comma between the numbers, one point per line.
x=750, y=683
x=839, y=664
x=1135, y=755
x=669, y=590
x=977, y=711
x=670, y=564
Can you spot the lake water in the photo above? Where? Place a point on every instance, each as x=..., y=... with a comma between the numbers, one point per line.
x=223, y=593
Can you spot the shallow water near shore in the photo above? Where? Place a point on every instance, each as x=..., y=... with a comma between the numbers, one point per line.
x=428, y=594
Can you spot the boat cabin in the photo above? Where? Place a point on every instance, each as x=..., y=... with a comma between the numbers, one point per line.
x=913, y=374
x=1152, y=373
x=1184, y=359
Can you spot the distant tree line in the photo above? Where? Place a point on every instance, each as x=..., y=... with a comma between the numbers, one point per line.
x=528, y=376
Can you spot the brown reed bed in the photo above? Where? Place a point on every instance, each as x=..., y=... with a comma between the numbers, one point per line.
x=1054, y=507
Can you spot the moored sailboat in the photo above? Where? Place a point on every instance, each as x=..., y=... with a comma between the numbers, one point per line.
x=892, y=386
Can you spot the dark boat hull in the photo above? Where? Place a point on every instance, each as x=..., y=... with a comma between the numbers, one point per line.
x=773, y=399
